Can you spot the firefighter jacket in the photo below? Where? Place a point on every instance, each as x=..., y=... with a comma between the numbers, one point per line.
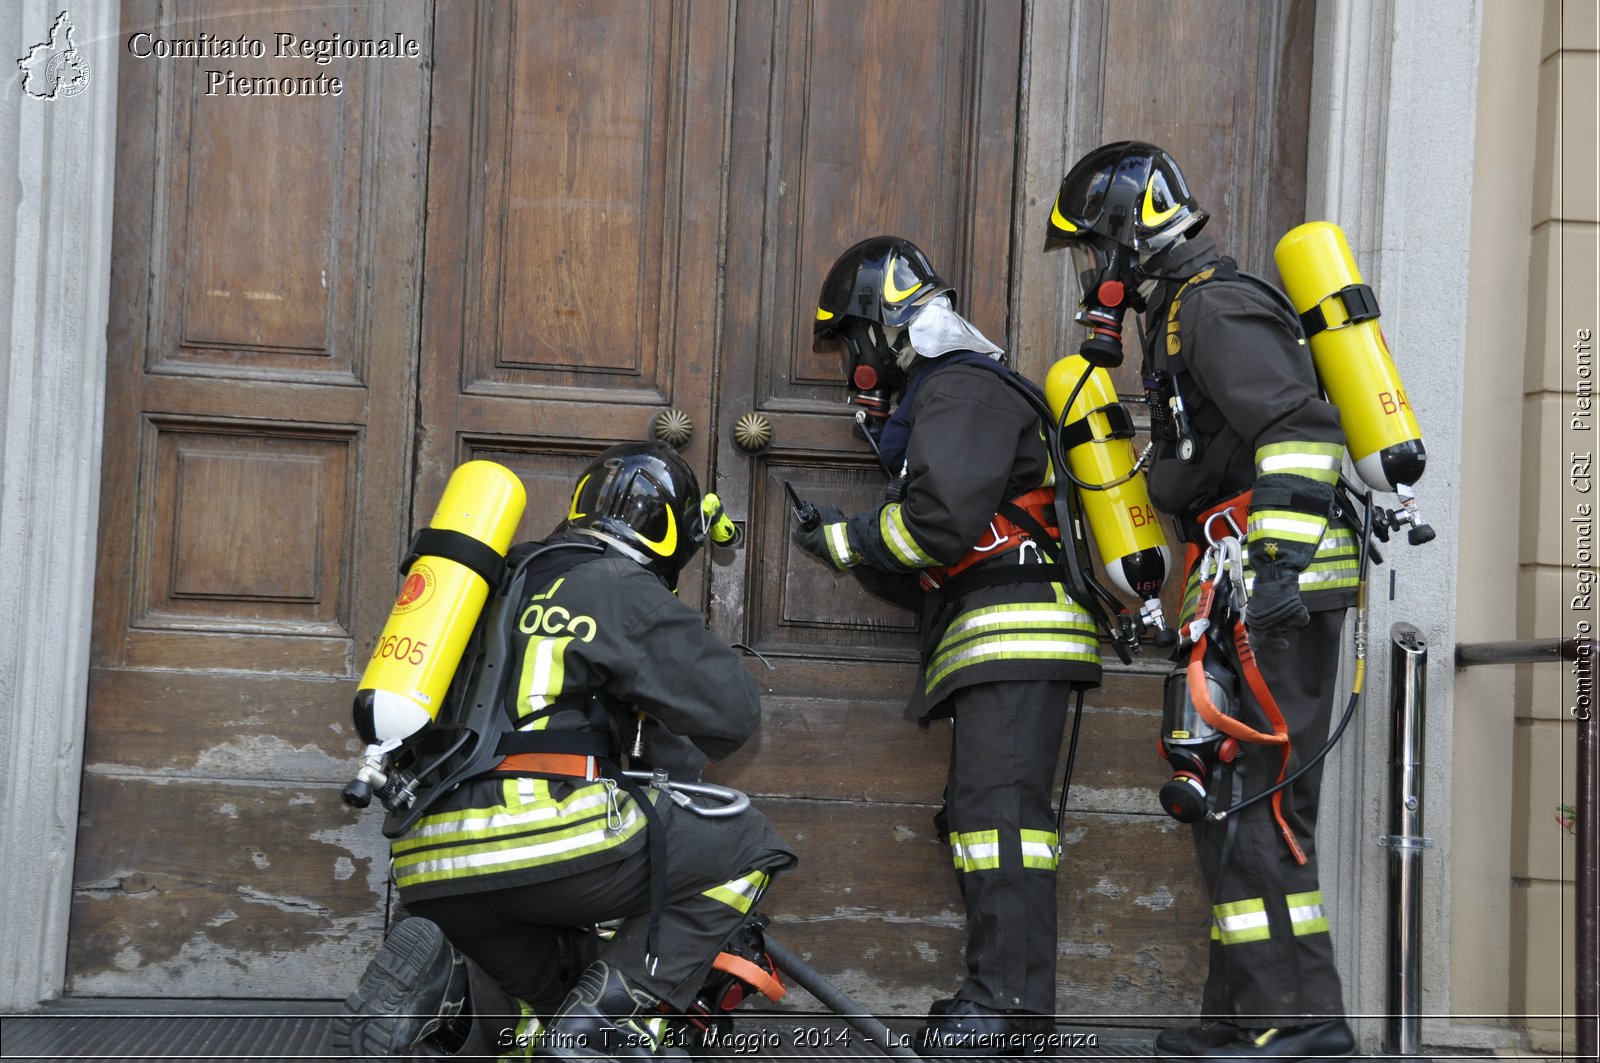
x=1245, y=375
x=974, y=443
x=594, y=646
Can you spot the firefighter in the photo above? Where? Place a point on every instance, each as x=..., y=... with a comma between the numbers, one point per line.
x=505, y=877
x=967, y=534
x=1244, y=442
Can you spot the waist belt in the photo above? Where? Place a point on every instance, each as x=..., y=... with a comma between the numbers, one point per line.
x=1005, y=534
x=568, y=764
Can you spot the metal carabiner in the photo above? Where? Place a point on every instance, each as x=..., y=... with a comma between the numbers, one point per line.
x=613, y=811
x=1227, y=515
x=733, y=801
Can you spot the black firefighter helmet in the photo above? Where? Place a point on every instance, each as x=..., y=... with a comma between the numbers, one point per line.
x=868, y=298
x=644, y=499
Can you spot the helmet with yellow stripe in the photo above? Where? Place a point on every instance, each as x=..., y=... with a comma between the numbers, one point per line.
x=645, y=500
x=1129, y=193
x=868, y=300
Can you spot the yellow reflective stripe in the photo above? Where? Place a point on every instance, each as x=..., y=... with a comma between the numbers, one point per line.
x=977, y=850
x=509, y=854
x=824, y=315
x=1240, y=921
x=1045, y=615
x=1060, y=220
x=898, y=538
x=1306, y=914
x=741, y=893
x=1286, y=524
x=544, y=673
x=837, y=539
x=1315, y=461
x=1011, y=648
x=478, y=823
x=1039, y=849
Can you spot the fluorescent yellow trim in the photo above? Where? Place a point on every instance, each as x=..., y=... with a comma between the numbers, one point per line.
x=1060, y=221
x=669, y=542
x=890, y=292
x=572, y=510
x=1152, y=217
x=824, y=315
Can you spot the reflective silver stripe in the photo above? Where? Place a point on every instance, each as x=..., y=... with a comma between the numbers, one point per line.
x=1020, y=647
x=499, y=821
x=838, y=537
x=1037, y=616
x=1308, y=530
x=905, y=548
x=535, y=852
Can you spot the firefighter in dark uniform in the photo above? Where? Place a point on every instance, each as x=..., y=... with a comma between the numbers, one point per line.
x=1004, y=644
x=607, y=660
x=1243, y=440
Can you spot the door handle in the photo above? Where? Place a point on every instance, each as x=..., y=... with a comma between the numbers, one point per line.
x=752, y=432
x=673, y=427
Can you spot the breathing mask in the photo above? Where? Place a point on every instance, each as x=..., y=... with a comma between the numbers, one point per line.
x=1196, y=751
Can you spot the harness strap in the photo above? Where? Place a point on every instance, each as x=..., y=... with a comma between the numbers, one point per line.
x=751, y=974
x=1030, y=517
x=459, y=547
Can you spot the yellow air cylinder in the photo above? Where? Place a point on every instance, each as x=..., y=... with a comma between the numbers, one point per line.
x=405, y=683
x=1353, y=361
x=1126, y=533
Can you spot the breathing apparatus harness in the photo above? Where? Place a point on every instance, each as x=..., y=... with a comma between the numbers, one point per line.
x=477, y=733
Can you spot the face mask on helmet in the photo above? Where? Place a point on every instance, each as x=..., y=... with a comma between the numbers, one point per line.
x=1121, y=206
x=644, y=499
x=867, y=300
x=869, y=357
x=1109, y=281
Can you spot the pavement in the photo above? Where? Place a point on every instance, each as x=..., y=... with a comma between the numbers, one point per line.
x=200, y=1031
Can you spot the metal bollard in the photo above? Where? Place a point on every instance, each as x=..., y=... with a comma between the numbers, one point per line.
x=1408, y=695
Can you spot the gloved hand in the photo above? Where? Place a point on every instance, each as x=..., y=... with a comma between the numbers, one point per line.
x=1274, y=608
x=809, y=536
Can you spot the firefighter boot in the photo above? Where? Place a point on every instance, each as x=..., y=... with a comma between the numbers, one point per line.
x=1322, y=1040
x=607, y=1017
x=409, y=1001
x=964, y=1030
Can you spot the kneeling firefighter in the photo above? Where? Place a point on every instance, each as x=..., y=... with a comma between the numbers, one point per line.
x=508, y=854
x=970, y=535
x=1247, y=452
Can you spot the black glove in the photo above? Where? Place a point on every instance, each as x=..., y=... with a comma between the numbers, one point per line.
x=1274, y=608
x=808, y=535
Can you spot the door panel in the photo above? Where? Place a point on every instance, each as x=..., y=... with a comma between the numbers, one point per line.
x=571, y=281
x=261, y=369
x=846, y=128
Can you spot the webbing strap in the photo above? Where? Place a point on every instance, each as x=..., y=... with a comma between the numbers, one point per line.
x=1280, y=726
x=459, y=547
x=751, y=974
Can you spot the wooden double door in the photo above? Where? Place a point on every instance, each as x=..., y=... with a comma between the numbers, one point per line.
x=561, y=225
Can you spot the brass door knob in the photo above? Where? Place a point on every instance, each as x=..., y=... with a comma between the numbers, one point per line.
x=673, y=428
x=752, y=432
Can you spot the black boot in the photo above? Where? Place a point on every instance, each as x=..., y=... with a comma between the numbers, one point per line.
x=607, y=1017
x=409, y=1001
x=964, y=1030
x=1322, y=1040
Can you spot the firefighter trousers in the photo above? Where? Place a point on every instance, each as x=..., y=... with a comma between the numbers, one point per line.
x=1002, y=834
x=717, y=869
x=1271, y=956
